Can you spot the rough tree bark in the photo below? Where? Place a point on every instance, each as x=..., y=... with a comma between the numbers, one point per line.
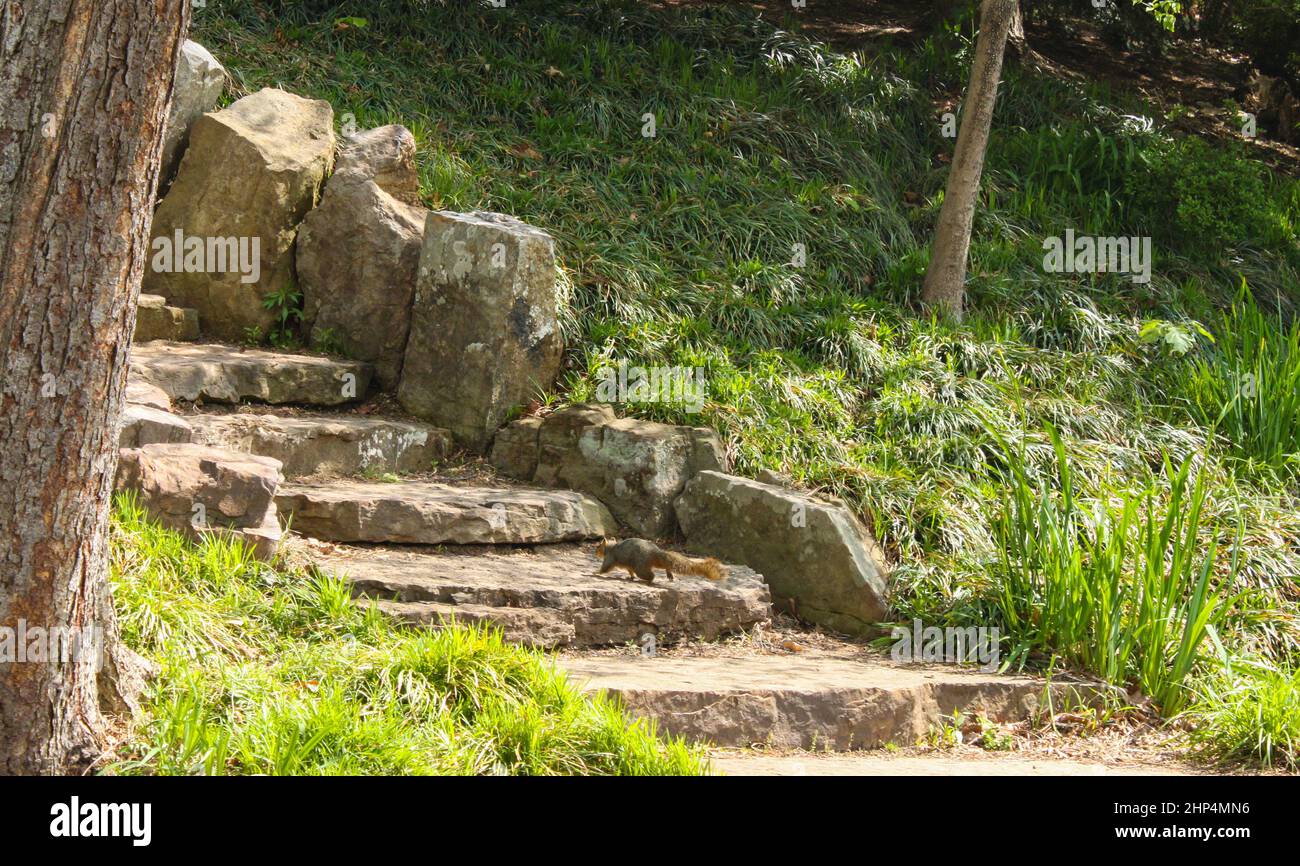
x=945, y=279
x=85, y=86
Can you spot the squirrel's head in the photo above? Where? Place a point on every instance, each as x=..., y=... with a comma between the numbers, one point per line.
x=602, y=544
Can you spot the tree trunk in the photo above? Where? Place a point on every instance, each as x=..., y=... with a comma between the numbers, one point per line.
x=86, y=85
x=945, y=279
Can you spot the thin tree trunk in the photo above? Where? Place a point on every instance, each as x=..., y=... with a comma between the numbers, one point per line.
x=85, y=85
x=945, y=280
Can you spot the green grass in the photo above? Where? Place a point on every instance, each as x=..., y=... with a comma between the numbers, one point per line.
x=267, y=671
x=1250, y=715
x=1247, y=386
x=676, y=250
x=1117, y=585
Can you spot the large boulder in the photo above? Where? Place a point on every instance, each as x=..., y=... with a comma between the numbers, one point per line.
x=359, y=251
x=197, y=490
x=199, y=82
x=637, y=468
x=484, y=336
x=819, y=560
x=223, y=235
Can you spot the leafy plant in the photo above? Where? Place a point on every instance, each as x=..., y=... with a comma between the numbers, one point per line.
x=1247, y=387
x=1119, y=585
x=327, y=341
x=286, y=304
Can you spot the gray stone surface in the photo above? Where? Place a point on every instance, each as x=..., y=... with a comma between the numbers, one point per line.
x=196, y=490
x=810, y=702
x=228, y=374
x=199, y=82
x=551, y=595
x=425, y=512
x=819, y=560
x=359, y=250
x=252, y=170
x=147, y=425
x=327, y=444
x=155, y=319
x=637, y=468
x=484, y=335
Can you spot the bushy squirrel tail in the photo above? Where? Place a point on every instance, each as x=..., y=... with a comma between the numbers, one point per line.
x=707, y=567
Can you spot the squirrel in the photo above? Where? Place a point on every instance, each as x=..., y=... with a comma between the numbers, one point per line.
x=641, y=558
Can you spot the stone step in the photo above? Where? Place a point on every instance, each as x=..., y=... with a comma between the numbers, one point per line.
x=537, y=627
x=230, y=374
x=155, y=319
x=428, y=512
x=320, y=444
x=548, y=596
x=826, y=703
x=971, y=762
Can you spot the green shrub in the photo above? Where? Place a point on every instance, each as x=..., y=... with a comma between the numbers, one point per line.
x=1197, y=198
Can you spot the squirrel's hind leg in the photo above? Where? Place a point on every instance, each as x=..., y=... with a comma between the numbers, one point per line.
x=646, y=573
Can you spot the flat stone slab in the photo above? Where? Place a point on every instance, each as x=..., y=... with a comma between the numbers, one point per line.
x=327, y=444
x=883, y=764
x=426, y=512
x=550, y=596
x=815, y=703
x=230, y=374
x=146, y=425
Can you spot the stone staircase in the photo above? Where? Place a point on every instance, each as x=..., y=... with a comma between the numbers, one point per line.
x=548, y=595
x=363, y=503
x=477, y=552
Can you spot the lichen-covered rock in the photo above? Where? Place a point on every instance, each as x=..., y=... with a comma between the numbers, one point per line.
x=359, y=251
x=484, y=335
x=223, y=235
x=820, y=561
x=637, y=468
x=199, y=82
x=197, y=490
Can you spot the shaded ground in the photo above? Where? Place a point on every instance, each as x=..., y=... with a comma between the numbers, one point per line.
x=1191, y=81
